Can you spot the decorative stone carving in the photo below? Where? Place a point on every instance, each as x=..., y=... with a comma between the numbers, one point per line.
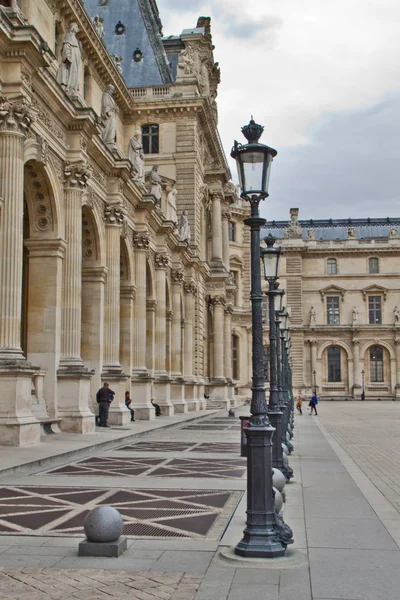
x=293, y=230
x=161, y=261
x=229, y=309
x=141, y=241
x=47, y=119
x=155, y=187
x=184, y=228
x=71, y=61
x=44, y=149
x=98, y=25
x=204, y=77
x=393, y=234
x=109, y=111
x=310, y=234
x=354, y=316
x=39, y=195
x=214, y=107
x=136, y=157
x=226, y=214
x=117, y=60
x=16, y=115
x=313, y=317
x=214, y=300
x=396, y=312
x=177, y=275
x=186, y=64
x=113, y=214
x=171, y=205
x=190, y=287
x=89, y=245
x=76, y=175
x=351, y=233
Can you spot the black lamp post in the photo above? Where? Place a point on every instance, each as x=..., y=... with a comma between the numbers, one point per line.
x=315, y=381
x=363, y=387
x=265, y=534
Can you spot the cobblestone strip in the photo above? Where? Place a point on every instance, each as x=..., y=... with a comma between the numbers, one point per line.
x=95, y=584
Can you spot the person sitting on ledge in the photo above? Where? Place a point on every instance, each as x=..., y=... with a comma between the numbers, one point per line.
x=128, y=402
x=156, y=408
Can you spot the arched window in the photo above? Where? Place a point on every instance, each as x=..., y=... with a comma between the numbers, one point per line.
x=150, y=139
x=376, y=364
x=334, y=374
x=331, y=266
x=235, y=357
x=373, y=264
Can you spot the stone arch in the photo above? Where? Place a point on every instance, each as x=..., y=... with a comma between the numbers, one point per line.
x=329, y=343
x=41, y=202
x=367, y=346
x=90, y=238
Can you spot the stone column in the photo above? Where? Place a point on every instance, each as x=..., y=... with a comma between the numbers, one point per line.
x=397, y=344
x=228, y=352
x=161, y=387
x=216, y=198
x=73, y=377
x=356, y=370
x=190, y=380
x=18, y=426
x=226, y=218
x=219, y=390
x=177, y=387
x=127, y=296
x=313, y=345
x=141, y=381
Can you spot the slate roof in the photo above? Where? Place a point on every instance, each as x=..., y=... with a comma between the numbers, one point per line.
x=336, y=229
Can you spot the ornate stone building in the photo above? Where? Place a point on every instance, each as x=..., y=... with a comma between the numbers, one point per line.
x=342, y=283
x=123, y=253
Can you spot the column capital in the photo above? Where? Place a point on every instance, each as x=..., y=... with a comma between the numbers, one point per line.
x=312, y=342
x=190, y=287
x=16, y=116
x=397, y=341
x=140, y=241
x=177, y=275
x=226, y=214
x=229, y=309
x=161, y=261
x=76, y=175
x=217, y=301
x=216, y=195
x=113, y=214
x=356, y=341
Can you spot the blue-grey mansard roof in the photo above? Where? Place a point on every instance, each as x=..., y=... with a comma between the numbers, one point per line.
x=336, y=229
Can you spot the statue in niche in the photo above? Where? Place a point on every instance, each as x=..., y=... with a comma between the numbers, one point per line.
x=351, y=233
x=396, y=315
x=155, y=186
x=136, y=157
x=98, y=25
x=354, y=316
x=393, y=234
x=109, y=111
x=71, y=62
x=313, y=317
x=171, y=205
x=186, y=65
x=184, y=228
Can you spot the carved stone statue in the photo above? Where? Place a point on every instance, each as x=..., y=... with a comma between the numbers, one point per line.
x=310, y=234
x=293, y=230
x=351, y=233
x=155, y=187
x=171, y=205
x=71, y=62
x=396, y=315
x=136, y=157
x=109, y=111
x=393, y=235
x=313, y=316
x=204, y=78
x=184, y=228
x=214, y=107
x=117, y=60
x=186, y=66
x=354, y=316
x=98, y=25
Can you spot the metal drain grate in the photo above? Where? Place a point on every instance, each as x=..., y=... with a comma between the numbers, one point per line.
x=145, y=530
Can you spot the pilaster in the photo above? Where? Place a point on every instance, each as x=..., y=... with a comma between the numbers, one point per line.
x=177, y=385
x=161, y=386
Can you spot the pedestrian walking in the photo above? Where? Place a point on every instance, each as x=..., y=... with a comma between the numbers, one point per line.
x=299, y=403
x=104, y=398
x=313, y=404
x=156, y=408
x=128, y=402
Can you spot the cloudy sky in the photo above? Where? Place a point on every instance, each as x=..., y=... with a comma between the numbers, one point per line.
x=323, y=77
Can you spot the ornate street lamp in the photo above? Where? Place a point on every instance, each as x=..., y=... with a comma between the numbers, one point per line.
x=315, y=381
x=363, y=388
x=265, y=535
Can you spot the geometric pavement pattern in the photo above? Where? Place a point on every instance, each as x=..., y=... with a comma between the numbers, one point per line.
x=97, y=584
x=206, y=426
x=157, y=446
x=155, y=467
x=58, y=511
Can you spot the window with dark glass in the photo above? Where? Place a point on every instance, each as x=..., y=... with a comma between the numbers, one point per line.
x=264, y=306
x=373, y=265
x=332, y=266
x=376, y=363
x=334, y=374
x=375, y=310
x=332, y=310
x=231, y=232
x=150, y=139
x=266, y=363
x=235, y=357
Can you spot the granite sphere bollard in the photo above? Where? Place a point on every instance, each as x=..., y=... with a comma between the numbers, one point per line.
x=278, y=501
x=103, y=527
x=278, y=479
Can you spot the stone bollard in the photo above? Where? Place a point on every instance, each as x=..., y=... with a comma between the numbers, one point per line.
x=103, y=527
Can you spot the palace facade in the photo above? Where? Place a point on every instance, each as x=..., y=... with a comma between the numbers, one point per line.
x=123, y=251
x=342, y=284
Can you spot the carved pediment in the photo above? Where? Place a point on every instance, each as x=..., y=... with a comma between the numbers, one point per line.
x=377, y=290
x=332, y=290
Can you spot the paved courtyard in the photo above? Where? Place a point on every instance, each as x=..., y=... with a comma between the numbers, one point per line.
x=181, y=493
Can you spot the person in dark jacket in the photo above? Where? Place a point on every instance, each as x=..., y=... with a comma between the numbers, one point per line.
x=128, y=402
x=104, y=398
x=313, y=404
